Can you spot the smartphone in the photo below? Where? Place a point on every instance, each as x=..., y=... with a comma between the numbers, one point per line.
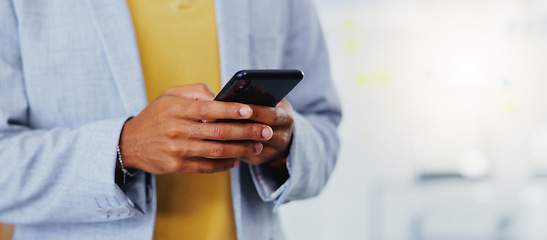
x=260, y=87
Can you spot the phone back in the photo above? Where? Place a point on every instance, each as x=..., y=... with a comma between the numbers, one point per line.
x=260, y=87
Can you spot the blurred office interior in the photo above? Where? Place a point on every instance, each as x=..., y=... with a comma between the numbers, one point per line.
x=444, y=133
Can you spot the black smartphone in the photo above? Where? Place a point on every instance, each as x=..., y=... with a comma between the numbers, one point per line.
x=260, y=87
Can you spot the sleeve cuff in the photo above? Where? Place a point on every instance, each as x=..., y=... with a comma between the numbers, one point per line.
x=269, y=187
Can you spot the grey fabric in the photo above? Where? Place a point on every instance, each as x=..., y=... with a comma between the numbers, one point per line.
x=70, y=76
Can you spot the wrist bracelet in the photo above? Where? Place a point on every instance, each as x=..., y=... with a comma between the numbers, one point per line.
x=125, y=172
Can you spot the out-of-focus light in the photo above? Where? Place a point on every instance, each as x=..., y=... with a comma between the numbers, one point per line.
x=374, y=78
x=474, y=164
x=463, y=69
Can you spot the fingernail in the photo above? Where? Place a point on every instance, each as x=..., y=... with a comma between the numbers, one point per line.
x=267, y=132
x=258, y=147
x=245, y=111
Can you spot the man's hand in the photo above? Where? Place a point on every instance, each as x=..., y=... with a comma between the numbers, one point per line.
x=280, y=120
x=169, y=136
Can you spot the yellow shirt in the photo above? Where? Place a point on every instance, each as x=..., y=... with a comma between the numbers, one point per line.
x=6, y=231
x=178, y=45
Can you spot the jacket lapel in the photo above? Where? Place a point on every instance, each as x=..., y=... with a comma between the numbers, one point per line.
x=232, y=17
x=116, y=31
x=233, y=34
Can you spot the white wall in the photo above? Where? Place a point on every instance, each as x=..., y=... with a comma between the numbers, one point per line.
x=433, y=86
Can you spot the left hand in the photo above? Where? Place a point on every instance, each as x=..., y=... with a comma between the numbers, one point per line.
x=280, y=119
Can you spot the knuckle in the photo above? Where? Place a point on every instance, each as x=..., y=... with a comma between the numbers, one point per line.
x=206, y=168
x=290, y=120
x=194, y=130
x=174, y=149
x=283, y=138
x=169, y=91
x=202, y=86
x=171, y=131
x=173, y=91
x=169, y=108
x=218, y=150
x=202, y=109
x=275, y=117
x=281, y=117
x=218, y=132
x=178, y=166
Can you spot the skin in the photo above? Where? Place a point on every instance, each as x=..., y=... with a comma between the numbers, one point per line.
x=175, y=133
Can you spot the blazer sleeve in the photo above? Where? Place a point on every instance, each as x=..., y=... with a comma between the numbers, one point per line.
x=55, y=175
x=317, y=113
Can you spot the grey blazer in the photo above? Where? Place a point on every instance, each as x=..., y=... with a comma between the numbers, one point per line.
x=70, y=76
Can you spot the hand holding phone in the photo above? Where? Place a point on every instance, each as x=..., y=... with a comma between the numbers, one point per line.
x=266, y=88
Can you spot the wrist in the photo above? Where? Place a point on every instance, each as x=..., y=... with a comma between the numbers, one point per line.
x=122, y=174
x=124, y=167
x=124, y=146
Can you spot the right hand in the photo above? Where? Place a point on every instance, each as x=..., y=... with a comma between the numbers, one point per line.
x=170, y=136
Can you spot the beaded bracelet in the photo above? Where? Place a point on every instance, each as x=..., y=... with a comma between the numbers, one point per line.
x=124, y=170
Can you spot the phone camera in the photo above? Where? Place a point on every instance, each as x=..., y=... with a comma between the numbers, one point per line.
x=241, y=86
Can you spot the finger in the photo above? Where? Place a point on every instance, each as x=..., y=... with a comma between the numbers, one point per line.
x=255, y=160
x=281, y=136
x=199, y=91
x=229, y=131
x=206, y=165
x=271, y=116
x=268, y=153
x=219, y=149
x=284, y=104
x=201, y=110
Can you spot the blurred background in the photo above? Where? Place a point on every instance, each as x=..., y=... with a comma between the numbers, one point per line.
x=444, y=133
